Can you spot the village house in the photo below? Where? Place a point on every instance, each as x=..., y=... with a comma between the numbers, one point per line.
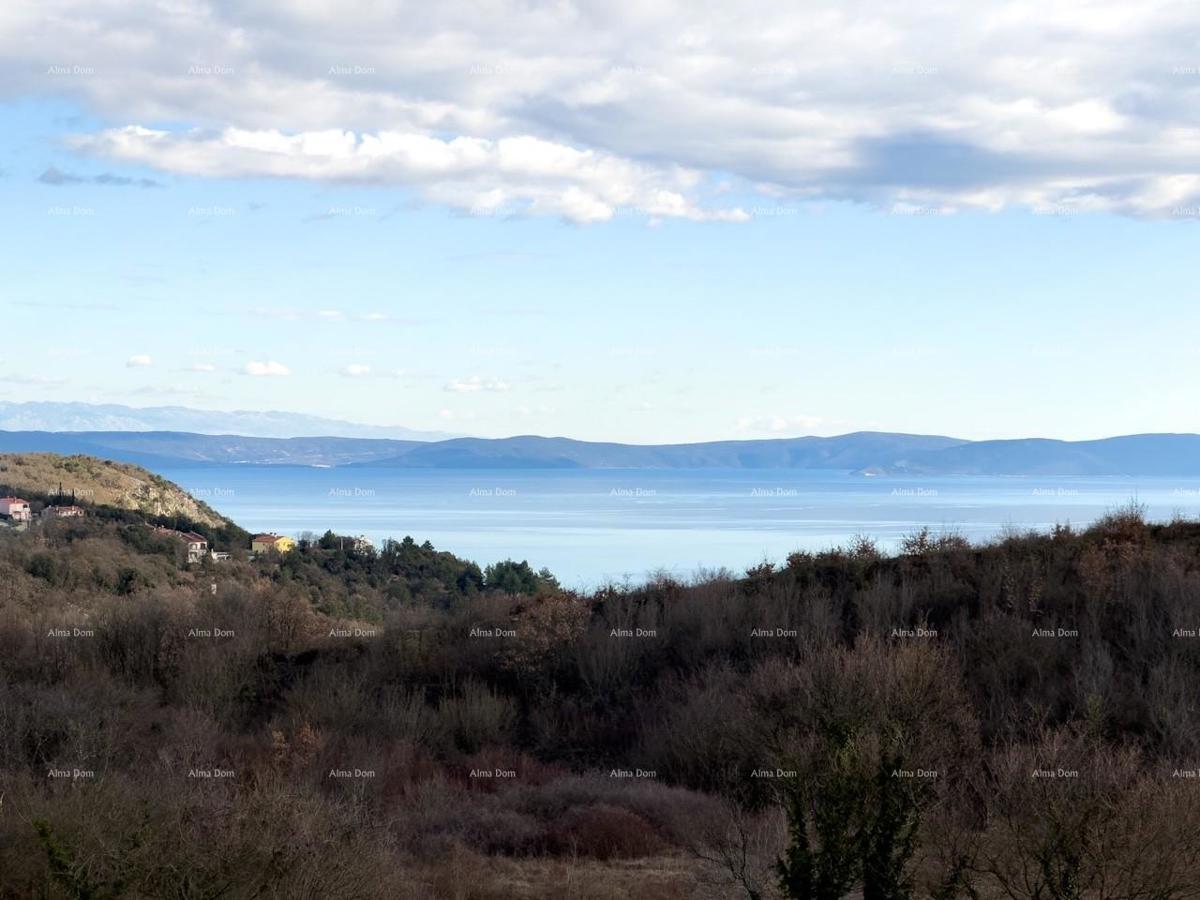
x=62, y=512
x=15, y=508
x=197, y=544
x=265, y=543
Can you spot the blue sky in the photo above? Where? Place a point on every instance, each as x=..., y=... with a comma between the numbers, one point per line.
x=587, y=279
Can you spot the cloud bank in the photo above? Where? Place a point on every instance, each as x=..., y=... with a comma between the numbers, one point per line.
x=588, y=110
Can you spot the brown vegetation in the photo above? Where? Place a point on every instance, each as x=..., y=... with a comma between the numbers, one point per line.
x=337, y=725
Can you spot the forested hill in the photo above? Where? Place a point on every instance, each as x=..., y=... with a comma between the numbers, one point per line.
x=128, y=515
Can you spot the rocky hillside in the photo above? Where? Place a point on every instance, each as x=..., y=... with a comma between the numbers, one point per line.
x=101, y=482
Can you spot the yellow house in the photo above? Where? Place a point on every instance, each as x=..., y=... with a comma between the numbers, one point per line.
x=264, y=543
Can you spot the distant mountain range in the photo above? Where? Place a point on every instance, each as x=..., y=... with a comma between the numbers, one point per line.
x=49, y=416
x=164, y=448
x=866, y=453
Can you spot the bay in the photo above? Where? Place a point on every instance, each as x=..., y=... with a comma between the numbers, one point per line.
x=594, y=526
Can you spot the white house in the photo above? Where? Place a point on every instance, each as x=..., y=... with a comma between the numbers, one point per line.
x=197, y=545
x=15, y=508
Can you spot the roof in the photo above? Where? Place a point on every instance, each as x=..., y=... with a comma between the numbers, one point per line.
x=13, y=500
x=266, y=538
x=190, y=536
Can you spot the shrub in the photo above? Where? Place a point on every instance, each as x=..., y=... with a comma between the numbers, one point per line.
x=605, y=832
x=476, y=716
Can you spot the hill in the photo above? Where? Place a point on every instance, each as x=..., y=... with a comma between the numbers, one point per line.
x=1135, y=454
x=101, y=482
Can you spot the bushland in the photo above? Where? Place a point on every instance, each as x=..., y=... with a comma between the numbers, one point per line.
x=1013, y=719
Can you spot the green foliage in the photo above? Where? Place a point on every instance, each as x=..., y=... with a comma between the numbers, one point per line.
x=42, y=565
x=65, y=871
x=846, y=830
x=128, y=581
x=889, y=839
x=796, y=869
x=518, y=578
x=853, y=808
x=826, y=822
x=74, y=877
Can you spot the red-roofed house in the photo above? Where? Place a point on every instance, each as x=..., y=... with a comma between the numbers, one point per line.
x=15, y=508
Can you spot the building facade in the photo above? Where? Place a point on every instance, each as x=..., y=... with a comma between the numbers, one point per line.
x=265, y=543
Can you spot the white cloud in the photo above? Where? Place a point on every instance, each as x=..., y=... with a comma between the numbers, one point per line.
x=202, y=367
x=584, y=111
x=265, y=368
x=484, y=177
x=138, y=361
x=475, y=384
x=355, y=370
x=778, y=425
x=330, y=314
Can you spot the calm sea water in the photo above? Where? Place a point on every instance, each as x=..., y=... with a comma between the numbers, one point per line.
x=593, y=526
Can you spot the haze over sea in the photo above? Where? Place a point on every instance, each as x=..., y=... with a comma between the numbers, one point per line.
x=593, y=526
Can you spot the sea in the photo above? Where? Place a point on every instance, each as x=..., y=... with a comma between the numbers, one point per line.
x=593, y=527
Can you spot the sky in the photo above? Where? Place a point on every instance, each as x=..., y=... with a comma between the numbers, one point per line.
x=643, y=222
